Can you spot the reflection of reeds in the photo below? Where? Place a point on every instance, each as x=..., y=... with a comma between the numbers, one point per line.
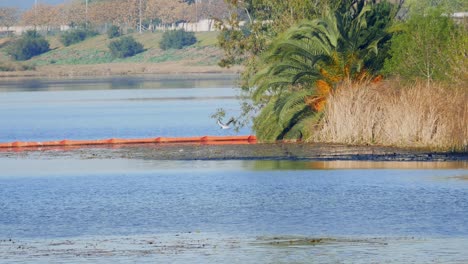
x=417, y=115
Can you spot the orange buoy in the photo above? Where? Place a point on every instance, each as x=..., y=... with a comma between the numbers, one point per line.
x=218, y=140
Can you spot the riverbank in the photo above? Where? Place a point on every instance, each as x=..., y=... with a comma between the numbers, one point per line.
x=91, y=57
x=117, y=69
x=280, y=151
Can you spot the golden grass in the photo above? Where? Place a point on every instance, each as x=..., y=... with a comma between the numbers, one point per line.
x=417, y=115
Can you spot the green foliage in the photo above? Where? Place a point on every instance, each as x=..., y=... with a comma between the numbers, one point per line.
x=113, y=32
x=75, y=36
x=343, y=45
x=429, y=46
x=29, y=45
x=177, y=39
x=96, y=51
x=286, y=116
x=125, y=47
x=422, y=6
x=265, y=20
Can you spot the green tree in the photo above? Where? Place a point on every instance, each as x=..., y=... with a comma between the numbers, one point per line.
x=422, y=6
x=75, y=36
x=125, y=47
x=177, y=39
x=29, y=45
x=429, y=46
x=303, y=65
x=254, y=24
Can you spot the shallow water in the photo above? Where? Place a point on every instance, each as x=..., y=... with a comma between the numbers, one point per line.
x=76, y=208
x=70, y=197
x=70, y=210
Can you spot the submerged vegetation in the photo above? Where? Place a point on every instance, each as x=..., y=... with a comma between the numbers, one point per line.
x=315, y=79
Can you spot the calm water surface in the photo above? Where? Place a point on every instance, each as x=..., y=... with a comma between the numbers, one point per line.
x=70, y=209
x=125, y=197
x=41, y=110
x=107, y=211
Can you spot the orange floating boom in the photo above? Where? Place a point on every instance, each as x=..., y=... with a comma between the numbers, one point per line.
x=218, y=140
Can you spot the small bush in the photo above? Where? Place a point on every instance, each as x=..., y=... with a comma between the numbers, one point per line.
x=125, y=47
x=75, y=36
x=177, y=39
x=29, y=45
x=113, y=32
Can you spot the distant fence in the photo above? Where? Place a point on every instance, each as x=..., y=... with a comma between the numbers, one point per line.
x=18, y=30
x=205, y=25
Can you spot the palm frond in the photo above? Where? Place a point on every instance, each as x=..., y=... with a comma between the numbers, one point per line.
x=337, y=46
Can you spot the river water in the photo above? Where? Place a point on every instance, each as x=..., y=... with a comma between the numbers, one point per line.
x=40, y=110
x=76, y=209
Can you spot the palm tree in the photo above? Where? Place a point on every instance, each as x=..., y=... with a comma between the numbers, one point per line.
x=304, y=64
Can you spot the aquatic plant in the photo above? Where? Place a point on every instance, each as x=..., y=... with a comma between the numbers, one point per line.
x=391, y=113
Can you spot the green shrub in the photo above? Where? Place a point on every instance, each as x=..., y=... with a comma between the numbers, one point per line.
x=177, y=39
x=71, y=37
x=28, y=46
x=430, y=46
x=113, y=32
x=125, y=47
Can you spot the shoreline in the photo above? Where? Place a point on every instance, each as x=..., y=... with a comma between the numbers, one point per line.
x=118, y=70
x=271, y=151
x=216, y=247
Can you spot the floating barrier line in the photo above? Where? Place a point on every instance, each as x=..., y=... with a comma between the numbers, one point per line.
x=117, y=141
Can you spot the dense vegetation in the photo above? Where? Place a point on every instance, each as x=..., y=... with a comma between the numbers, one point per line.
x=292, y=72
x=29, y=45
x=177, y=39
x=429, y=46
x=75, y=36
x=125, y=47
x=298, y=72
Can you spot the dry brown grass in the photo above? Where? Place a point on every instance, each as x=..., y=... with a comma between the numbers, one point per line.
x=418, y=115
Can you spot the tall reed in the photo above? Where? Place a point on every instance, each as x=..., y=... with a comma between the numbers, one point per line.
x=417, y=115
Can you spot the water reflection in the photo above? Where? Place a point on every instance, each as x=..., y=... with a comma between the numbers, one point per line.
x=119, y=82
x=82, y=162
x=461, y=178
x=350, y=164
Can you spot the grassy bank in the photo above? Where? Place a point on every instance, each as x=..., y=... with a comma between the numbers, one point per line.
x=92, y=57
x=417, y=115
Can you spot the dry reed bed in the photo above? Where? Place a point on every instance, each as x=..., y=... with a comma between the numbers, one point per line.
x=417, y=115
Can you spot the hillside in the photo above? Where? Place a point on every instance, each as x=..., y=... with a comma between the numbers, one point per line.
x=92, y=57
